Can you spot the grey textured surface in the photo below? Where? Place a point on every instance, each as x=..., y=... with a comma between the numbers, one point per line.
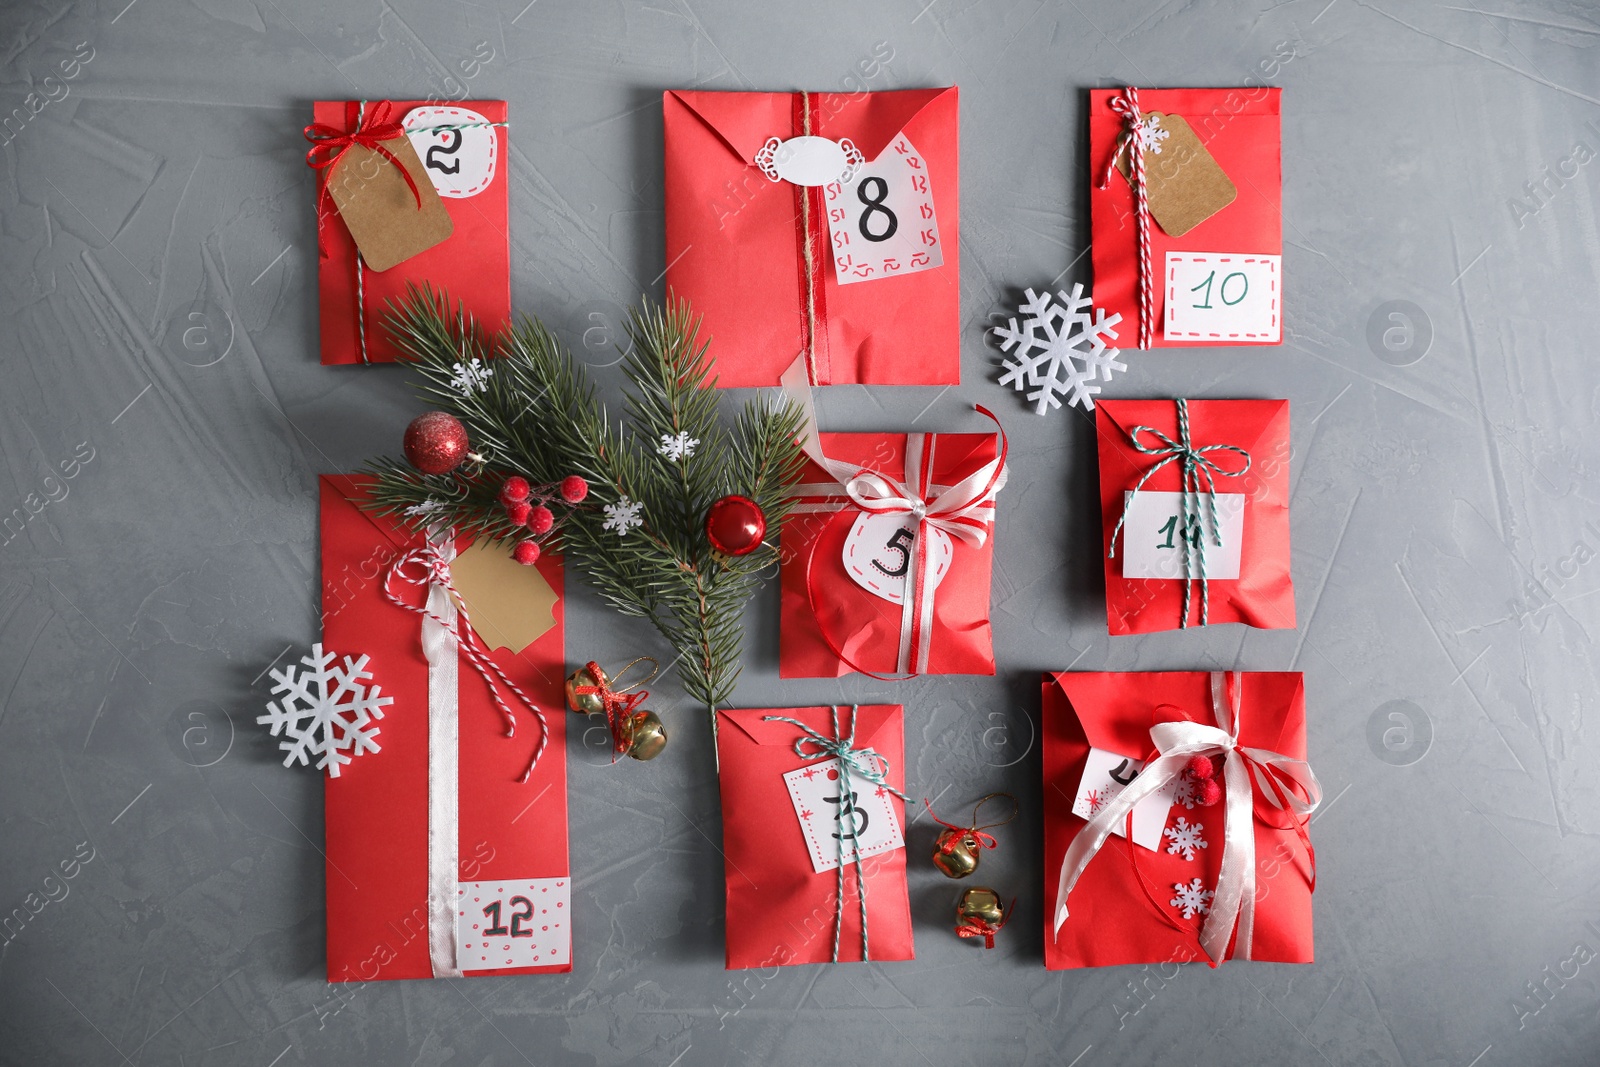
x=157, y=219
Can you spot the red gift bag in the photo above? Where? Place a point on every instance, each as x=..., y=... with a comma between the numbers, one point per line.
x=463, y=148
x=823, y=224
x=1219, y=282
x=1107, y=736
x=407, y=897
x=1153, y=540
x=851, y=558
x=781, y=908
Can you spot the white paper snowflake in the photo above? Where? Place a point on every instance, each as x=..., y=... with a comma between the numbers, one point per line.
x=1185, y=838
x=1191, y=899
x=623, y=516
x=1151, y=134
x=1060, y=349
x=677, y=447
x=471, y=377
x=426, y=508
x=325, y=711
x=1186, y=791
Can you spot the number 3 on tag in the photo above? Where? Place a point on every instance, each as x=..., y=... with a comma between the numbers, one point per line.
x=877, y=554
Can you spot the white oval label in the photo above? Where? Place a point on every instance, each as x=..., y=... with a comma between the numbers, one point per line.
x=808, y=160
x=457, y=148
x=877, y=554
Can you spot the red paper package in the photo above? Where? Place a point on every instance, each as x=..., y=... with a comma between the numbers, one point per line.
x=1205, y=241
x=440, y=866
x=804, y=830
x=462, y=148
x=1231, y=878
x=822, y=225
x=867, y=584
x=1194, y=502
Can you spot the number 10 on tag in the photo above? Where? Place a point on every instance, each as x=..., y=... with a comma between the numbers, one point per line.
x=1222, y=297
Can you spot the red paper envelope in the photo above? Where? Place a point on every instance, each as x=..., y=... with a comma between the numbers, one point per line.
x=1262, y=594
x=1113, y=919
x=780, y=909
x=473, y=265
x=1239, y=248
x=830, y=573
x=514, y=881
x=861, y=275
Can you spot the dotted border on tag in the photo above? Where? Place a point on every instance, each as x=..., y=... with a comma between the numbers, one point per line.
x=466, y=116
x=1272, y=263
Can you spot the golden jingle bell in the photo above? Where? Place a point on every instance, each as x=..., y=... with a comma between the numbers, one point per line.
x=981, y=902
x=644, y=734
x=585, y=703
x=956, y=853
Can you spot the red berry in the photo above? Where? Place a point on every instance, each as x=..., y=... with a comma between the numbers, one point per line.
x=574, y=489
x=735, y=525
x=540, y=520
x=518, y=513
x=515, y=491
x=1200, y=767
x=1210, y=792
x=435, y=442
x=526, y=553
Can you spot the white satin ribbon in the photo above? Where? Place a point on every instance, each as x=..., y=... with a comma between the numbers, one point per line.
x=1235, y=901
x=442, y=651
x=964, y=510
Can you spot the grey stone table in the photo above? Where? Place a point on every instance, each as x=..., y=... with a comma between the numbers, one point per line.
x=157, y=273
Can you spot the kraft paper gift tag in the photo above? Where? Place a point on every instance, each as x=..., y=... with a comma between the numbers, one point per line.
x=1186, y=186
x=380, y=209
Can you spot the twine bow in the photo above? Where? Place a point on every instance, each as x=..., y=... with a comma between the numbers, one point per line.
x=329, y=143
x=977, y=926
x=1134, y=139
x=618, y=703
x=1197, y=470
x=429, y=567
x=870, y=765
x=1291, y=786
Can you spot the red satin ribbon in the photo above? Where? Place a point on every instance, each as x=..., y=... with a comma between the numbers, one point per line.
x=617, y=705
x=983, y=839
x=329, y=144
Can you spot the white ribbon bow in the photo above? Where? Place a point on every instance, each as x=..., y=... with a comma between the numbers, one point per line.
x=1235, y=899
x=965, y=510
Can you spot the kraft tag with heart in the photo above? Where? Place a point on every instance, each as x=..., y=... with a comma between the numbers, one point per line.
x=380, y=209
x=1186, y=186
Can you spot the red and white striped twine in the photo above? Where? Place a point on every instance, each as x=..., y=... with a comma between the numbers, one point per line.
x=1127, y=105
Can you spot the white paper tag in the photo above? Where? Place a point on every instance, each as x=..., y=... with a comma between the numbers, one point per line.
x=882, y=222
x=1152, y=535
x=877, y=554
x=1223, y=297
x=524, y=922
x=862, y=822
x=1104, y=776
x=460, y=162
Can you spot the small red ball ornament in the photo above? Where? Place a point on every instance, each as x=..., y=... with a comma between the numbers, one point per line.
x=518, y=513
x=1209, y=792
x=1200, y=767
x=526, y=553
x=435, y=442
x=515, y=491
x=540, y=520
x=574, y=489
x=735, y=525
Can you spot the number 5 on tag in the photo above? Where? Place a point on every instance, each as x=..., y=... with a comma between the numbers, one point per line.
x=878, y=554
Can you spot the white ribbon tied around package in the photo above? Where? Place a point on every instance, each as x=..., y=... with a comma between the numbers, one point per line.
x=1235, y=900
x=446, y=634
x=810, y=161
x=965, y=510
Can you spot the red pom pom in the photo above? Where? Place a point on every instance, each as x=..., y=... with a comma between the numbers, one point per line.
x=518, y=513
x=526, y=553
x=540, y=520
x=574, y=489
x=1209, y=792
x=1200, y=767
x=735, y=525
x=515, y=491
x=435, y=442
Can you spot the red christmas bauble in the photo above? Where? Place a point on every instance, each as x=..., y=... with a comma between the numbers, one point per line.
x=735, y=525
x=436, y=442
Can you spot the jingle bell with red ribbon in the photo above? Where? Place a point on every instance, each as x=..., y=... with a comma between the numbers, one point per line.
x=981, y=914
x=635, y=731
x=957, y=849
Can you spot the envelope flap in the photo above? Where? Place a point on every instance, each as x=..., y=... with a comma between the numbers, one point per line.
x=870, y=722
x=745, y=121
x=1246, y=423
x=1112, y=709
